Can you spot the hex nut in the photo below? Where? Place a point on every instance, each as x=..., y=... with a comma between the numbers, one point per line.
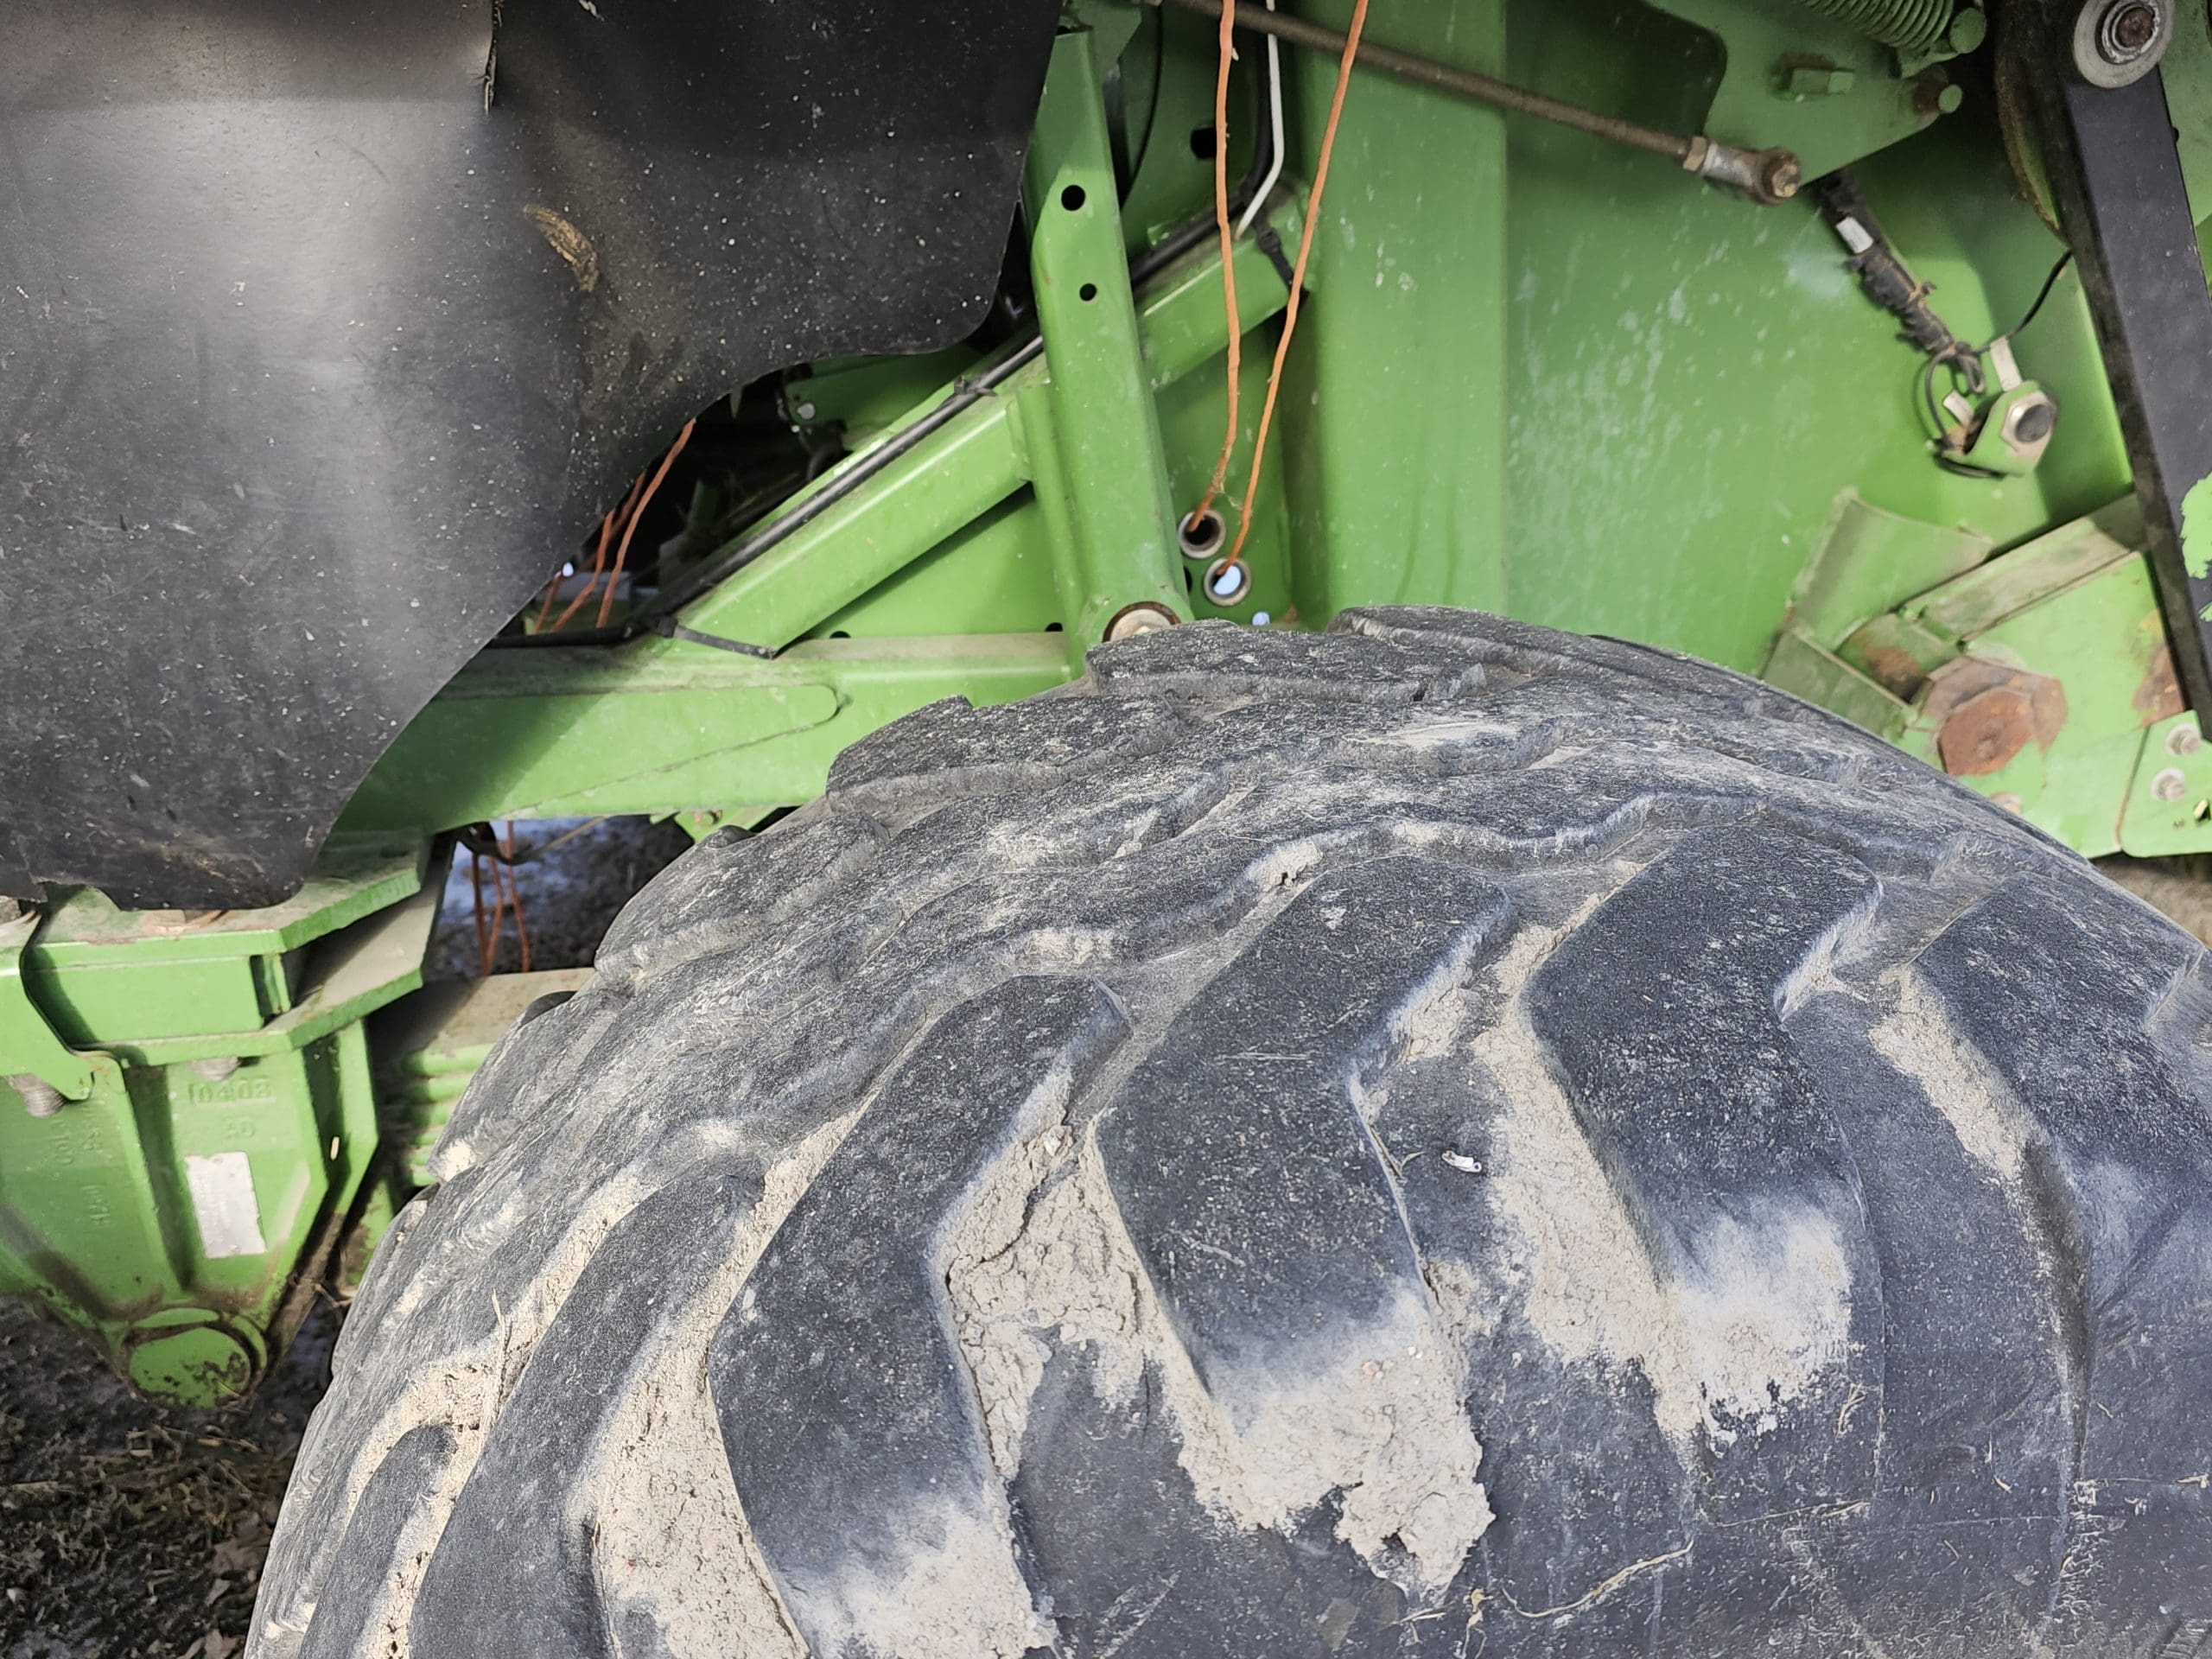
x=2184, y=739
x=2169, y=785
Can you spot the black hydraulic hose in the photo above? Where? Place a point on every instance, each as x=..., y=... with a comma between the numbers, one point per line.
x=966, y=393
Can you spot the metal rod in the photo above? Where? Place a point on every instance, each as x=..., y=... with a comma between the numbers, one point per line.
x=1461, y=83
x=1766, y=175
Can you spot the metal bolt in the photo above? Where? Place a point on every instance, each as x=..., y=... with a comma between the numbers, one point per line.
x=2009, y=801
x=2128, y=30
x=41, y=1098
x=1140, y=619
x=1780, y=174
x=804, y=412
x=2119, y=41
x=1815, y=79
x=2028, y=426
x=216, y=1070
x=2169, y=785
x=2185, y=739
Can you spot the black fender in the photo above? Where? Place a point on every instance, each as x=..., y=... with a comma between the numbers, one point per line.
x=327, y=325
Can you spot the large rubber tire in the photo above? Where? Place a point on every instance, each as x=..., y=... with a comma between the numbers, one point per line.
x=1441, y=1137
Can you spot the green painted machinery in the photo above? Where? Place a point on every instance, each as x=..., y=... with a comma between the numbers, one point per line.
x=1537, y=371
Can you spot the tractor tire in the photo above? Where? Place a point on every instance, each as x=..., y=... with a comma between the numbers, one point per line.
x=1436, y=1138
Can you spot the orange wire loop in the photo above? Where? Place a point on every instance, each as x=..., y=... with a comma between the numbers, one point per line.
x=622, y=553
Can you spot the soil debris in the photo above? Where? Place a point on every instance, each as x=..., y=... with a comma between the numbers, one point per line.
x=130, y=1530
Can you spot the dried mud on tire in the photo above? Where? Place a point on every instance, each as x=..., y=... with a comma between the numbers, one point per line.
x=1436, y=1138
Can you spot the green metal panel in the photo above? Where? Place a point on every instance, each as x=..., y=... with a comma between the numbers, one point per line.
x=1392, y=445
x=1693, y=378
x=2169, y=802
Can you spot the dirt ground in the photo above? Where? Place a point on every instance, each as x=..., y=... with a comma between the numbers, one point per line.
x=129, y=1529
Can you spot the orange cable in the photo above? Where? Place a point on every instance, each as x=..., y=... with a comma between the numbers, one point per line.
x=622, y=553
x=1228, y=251
x=598, y=559
x=620, y=515
x=1298, y=275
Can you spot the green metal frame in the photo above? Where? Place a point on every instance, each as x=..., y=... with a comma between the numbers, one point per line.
x=1536, y=375
x=182, y=1206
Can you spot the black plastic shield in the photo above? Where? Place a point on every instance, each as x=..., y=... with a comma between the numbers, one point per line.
x=325, y=327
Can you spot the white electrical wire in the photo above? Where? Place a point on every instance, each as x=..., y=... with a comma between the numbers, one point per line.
x=1274, y=105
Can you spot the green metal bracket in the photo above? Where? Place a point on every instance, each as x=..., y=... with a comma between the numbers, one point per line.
x=2039, y=676
x=1100, y=476
x=43, y=1069
x=1803, y=77
x=180, y=1208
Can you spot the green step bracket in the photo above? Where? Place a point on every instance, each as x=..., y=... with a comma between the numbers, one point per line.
x=192, y=1118
x=2039, y=675
x=429, y=1045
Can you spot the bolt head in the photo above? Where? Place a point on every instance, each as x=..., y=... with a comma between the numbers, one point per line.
x=2012, y=803
x=1780, y=175
x=2169, y=785
x=2128, y=29
x=2185, y=739
x=2119, y=41
x=1140, y=619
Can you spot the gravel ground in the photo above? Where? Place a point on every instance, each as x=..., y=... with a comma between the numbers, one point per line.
x=129, y=1529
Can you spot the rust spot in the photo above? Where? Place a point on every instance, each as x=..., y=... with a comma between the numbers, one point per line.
x=571, y=244
x=1986, y=731
x=2158, y=697
x=1895, y=670
x=1985, y=713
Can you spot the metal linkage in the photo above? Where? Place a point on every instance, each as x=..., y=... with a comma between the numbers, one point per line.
x=1765, y=175
x=2124, y=205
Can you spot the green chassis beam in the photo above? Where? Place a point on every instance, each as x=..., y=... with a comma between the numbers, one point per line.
x=661, y=726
